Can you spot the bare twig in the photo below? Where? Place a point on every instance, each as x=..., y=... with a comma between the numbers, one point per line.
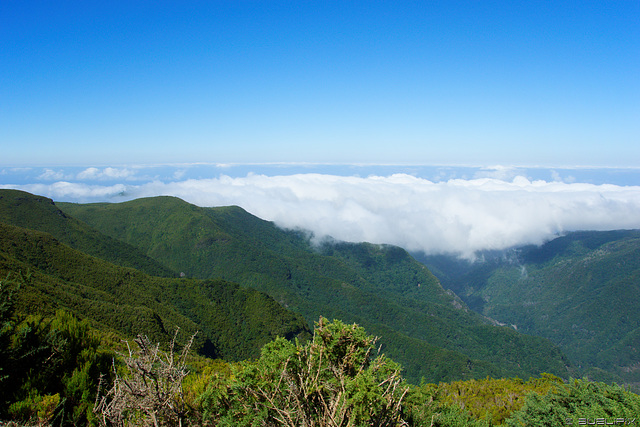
x=151, y=392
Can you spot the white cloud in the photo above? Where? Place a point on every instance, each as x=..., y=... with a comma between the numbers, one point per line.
x=106, y=173
x=89, y=173
x=73, y=192
x=503, y=173
x=179, y=174
x=555, y=175
x=52, y=175
x=450, y=216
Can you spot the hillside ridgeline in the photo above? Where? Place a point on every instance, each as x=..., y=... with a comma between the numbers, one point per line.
x=426, y=328
x=234, y=322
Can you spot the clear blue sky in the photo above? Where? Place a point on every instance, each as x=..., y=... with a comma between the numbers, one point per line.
x=430, y=82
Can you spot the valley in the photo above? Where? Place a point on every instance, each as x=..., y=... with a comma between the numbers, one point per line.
x=580, y=290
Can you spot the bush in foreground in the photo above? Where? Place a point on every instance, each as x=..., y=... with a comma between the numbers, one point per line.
x=335, y=379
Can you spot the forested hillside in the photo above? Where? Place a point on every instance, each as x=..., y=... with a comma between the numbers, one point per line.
x=234, y=322
x=429, y=330
x=580, y=290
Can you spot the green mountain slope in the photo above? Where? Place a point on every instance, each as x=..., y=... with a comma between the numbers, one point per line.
x=233, y=322
x=39, y=213
x=426, y=328
x=581, y=290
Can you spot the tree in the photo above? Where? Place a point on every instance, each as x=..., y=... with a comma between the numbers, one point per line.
x=333, y=380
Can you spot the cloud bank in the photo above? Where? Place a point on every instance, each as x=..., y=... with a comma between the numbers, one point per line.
x=454, y=216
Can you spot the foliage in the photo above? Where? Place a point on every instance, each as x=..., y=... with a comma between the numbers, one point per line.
x=293, y=384
x=235, y=322
x=50, y=366
x=51, y=369
x=578, y=402
x=204, y=373
x=334, y=380
x=429, y=413
x=488, y=401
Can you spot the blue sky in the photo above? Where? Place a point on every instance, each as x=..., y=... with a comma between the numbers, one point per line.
x=430, y=82
x=439, y=126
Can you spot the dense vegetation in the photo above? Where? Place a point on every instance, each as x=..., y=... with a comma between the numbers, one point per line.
x=49, y=367
x=579, y=290
x=429, y=330
x=39, y=213
x=234, y=322
x=337, y=378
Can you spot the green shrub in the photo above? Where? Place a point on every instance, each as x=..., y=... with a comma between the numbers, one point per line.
x=579, y=400
x=331, y=380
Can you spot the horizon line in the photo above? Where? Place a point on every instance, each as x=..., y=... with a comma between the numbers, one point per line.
x=223, y=165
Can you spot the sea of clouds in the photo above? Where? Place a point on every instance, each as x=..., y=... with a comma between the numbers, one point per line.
x=494, y=210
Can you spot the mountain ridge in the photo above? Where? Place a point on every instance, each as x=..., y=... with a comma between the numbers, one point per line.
x=379, y=287
x=39, y=213
x=234, y=322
